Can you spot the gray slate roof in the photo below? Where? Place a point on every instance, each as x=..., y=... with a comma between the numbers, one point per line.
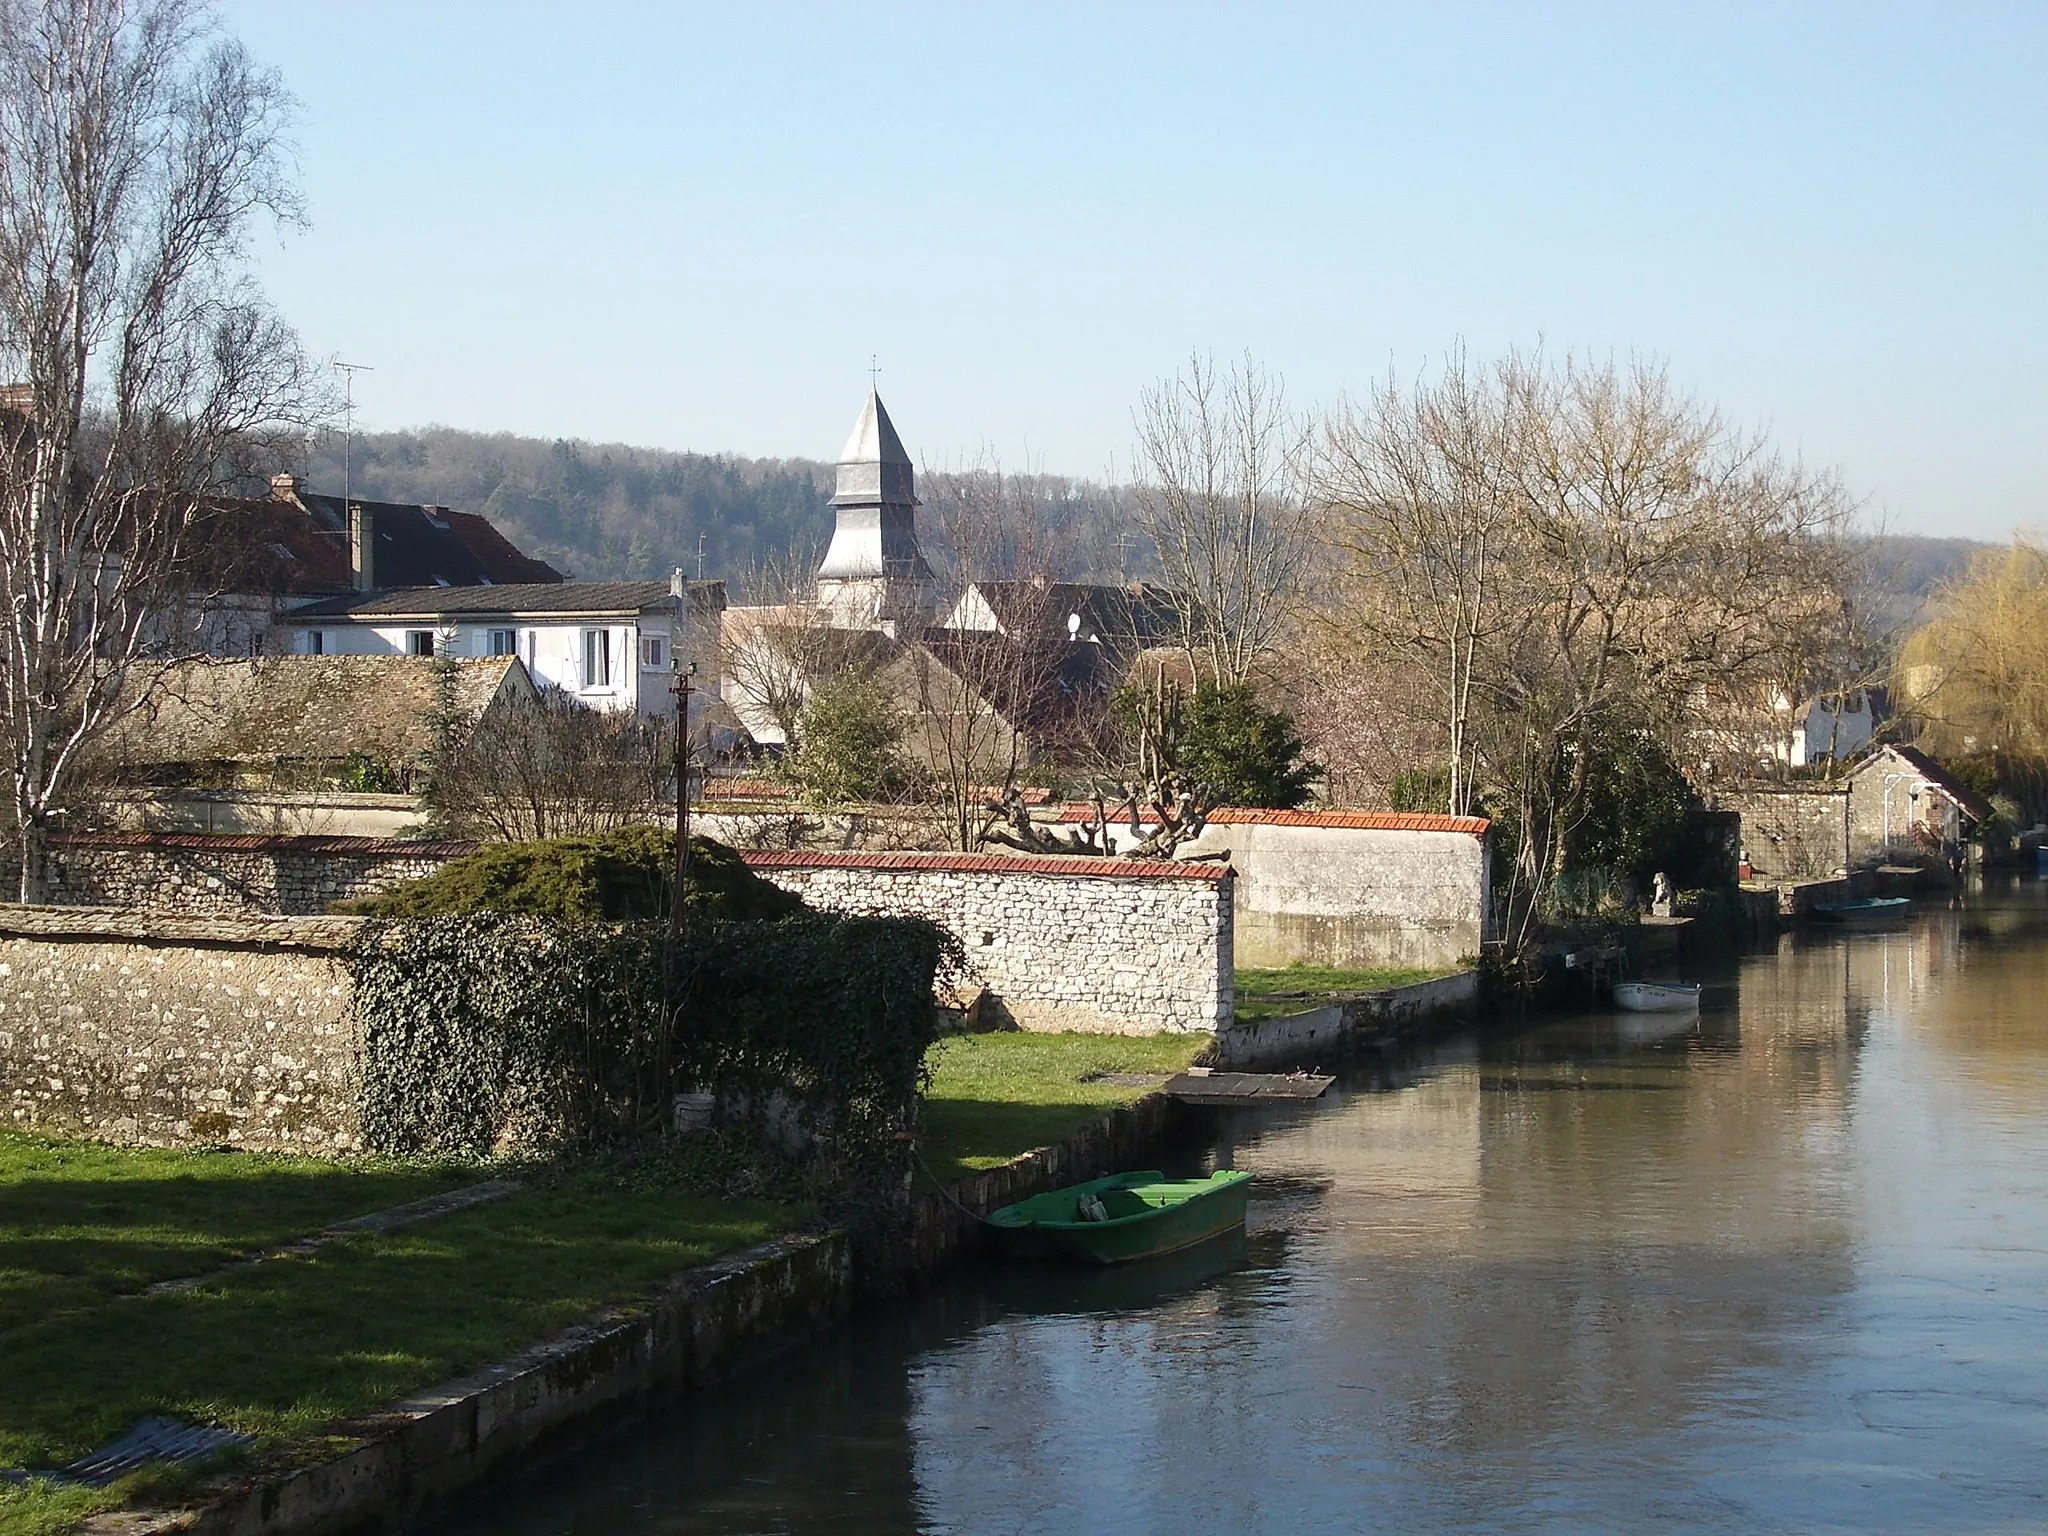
x=507, y=602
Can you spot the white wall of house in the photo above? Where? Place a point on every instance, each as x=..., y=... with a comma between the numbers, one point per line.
x=610, y=662
x=1832, y=729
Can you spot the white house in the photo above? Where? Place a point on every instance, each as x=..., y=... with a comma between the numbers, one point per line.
x=1831, y=728
x=612, y=644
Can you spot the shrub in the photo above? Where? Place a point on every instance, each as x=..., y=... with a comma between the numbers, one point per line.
x=616, y=877
x=489, y=1030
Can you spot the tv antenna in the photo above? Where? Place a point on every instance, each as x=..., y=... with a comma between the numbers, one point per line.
x=348, y=373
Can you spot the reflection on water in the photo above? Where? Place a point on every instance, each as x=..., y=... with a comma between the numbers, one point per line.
x=1780, y=1266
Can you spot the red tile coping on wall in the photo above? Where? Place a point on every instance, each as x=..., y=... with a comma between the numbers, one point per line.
x=1356, y=821
x=991, y=864
x=250, y=842
x=778, y=789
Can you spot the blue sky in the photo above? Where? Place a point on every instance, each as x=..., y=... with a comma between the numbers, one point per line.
x=691, y=228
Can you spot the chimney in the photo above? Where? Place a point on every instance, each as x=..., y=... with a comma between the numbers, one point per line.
x=286, y=487
x=362, y=547
x=678, y=586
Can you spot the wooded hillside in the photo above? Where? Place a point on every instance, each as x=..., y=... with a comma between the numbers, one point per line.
x=605, y=511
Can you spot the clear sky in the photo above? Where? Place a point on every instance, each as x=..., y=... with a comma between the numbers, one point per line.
x=691, y=228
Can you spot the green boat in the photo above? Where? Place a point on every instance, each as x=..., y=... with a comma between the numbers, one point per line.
x=1124, y=1217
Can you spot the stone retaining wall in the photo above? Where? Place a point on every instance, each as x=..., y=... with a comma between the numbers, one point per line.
x=1105, y=945
x=200, y=874
x=166, y=1031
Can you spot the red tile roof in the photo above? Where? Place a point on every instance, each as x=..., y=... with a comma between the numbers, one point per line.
x=1358, y=821
x=992, y=864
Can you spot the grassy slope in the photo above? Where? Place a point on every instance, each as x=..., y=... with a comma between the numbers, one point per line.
x=80, y=1221
x=995, y=1096
x=282, y=1348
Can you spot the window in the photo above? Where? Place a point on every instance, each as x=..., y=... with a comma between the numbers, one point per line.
x=315, y=642
x=419, y=642
x=504, y=642
x=653, y=651
x=597, y=658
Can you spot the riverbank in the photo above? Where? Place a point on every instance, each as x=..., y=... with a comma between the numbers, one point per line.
x=385, y=1370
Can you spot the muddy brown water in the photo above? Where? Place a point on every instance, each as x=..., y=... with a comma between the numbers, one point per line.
x=1782, y=1268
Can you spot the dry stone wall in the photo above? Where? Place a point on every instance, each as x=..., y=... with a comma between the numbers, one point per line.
x=201, y=874
x=166, y=1031
x=1103, y=945
x=1795, y=833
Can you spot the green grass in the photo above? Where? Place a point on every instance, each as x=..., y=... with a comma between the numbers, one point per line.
x=1314, y=985
x=81, y=1222
x=995, y=1096
x=285, y=1347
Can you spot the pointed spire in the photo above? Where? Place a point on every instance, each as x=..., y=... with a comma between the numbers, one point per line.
x=873, y=468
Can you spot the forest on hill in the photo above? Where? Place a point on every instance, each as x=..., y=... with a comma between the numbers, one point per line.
x=606, y=511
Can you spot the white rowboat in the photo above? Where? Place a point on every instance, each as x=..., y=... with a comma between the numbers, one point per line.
x=1656, y=996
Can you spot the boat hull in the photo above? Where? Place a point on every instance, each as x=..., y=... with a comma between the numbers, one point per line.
x=1877, y=909
x=1656, y=996
x=1150, y=1215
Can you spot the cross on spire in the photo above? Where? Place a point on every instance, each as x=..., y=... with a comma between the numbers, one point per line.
x=874, y=369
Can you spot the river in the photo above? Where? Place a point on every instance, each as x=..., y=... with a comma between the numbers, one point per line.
x=1784, y=1268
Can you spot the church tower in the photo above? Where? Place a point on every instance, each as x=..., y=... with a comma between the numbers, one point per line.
x=872, y=576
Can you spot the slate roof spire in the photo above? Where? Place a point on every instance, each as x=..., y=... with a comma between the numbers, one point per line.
x=873, y=468
x=873, y=574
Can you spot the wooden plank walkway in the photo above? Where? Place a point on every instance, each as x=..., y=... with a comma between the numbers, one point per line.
x=1201, y=1086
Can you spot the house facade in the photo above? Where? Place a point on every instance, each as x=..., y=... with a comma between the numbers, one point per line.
x=1903, y=807
x=614, y=645
x=257, y=559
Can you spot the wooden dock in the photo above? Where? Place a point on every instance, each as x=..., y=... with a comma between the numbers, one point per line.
x=1201, y=1086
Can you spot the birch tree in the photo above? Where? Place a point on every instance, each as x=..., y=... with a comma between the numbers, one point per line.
x=139, y=151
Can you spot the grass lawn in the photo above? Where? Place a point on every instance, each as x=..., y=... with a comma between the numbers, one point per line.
x=81, y=1222
x=285, y=1347
x=1298, y=988
x=995, y=1096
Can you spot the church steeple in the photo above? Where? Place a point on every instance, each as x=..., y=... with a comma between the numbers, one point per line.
x=873, y=576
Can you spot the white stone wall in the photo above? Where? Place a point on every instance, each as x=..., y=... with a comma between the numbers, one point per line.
x=1352, y=889
x=1130, y=953
x=166, y=1031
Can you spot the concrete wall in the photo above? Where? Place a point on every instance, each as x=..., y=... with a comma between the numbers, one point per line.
x=1107, y=946
x=1351, y=888
x=197, y=875
x=165, y=1030
x=274, y=813
x=1321, y=1035
x=1799, y=832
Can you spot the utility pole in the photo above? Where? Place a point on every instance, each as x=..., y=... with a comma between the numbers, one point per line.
x=678, y=922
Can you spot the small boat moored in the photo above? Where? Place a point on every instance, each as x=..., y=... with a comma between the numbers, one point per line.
x=1657, y=996
x=1125, y=1216
x=1871, y=909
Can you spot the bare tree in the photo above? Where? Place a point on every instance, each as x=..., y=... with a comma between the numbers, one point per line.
x=1221, y=500
x=137, y=152
x=1645, y=563
x=1419, y=483
x=779, y=645
x=978, y=696
x=552, y=767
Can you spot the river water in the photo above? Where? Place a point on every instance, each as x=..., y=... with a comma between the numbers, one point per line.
x=1784, y=1268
